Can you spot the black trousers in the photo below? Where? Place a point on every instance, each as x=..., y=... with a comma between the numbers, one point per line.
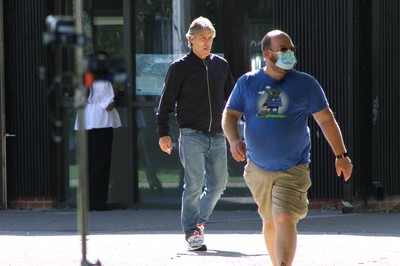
x=99, y=159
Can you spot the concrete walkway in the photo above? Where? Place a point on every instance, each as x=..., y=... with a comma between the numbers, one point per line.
x=153, y=237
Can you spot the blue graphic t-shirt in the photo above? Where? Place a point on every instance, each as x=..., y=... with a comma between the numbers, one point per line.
x=276, y=117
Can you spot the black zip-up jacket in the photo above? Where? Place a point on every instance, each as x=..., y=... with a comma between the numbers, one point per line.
x=199, y=89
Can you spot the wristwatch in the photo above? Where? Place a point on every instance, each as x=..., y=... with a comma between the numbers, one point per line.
x=342, y=155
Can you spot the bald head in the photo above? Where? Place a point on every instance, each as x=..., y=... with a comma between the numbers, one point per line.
x=271, y=36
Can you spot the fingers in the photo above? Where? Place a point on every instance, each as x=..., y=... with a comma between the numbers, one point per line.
x=238, y=151
x=338, y=171
x=166, y=149
x=238, y=157
x=345, y=167
x=347, y=173
x=165, y=144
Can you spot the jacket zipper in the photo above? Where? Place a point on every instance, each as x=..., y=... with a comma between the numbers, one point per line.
x=209, y=96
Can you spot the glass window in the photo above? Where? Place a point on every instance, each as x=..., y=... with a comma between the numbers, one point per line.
x=103, y=26
x=108, y=33
x=159, y=38
x=160, y=29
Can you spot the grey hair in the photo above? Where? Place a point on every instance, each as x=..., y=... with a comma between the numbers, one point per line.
x=198, y=25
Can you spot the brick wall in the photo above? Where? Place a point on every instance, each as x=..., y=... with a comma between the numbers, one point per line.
x=26, y=203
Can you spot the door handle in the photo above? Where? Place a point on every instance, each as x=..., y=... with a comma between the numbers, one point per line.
x=9, y=135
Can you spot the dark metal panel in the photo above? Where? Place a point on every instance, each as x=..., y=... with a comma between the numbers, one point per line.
x=129, y=52
x=320, y=31
x=363, y=98
x=26, y=107
x=388, y=97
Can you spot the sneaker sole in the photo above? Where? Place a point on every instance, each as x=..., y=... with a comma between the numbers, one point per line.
x=199, y=248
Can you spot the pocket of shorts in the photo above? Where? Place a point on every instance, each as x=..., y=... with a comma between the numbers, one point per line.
x=304, y=180
x=249, y=167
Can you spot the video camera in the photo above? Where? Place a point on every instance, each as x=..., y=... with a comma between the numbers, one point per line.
x=60, y=30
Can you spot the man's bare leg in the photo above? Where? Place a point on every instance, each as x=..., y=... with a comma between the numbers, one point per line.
x=285, y=239
x=269, y=237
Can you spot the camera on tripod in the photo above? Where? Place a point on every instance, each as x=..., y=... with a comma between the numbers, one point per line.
x=60, y=30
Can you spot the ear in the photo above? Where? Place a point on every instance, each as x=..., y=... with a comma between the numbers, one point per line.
x=191, y=39
x=266, y=53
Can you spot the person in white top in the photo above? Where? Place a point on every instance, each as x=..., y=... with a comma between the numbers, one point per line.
x=100, y=120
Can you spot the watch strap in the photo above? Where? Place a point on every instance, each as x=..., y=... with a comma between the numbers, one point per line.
x=342, y=155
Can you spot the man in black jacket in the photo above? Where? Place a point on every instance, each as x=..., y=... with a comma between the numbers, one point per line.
x=198, y=84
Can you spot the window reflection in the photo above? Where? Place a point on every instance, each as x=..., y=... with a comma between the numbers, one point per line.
x=159, y=38
x=160, y=30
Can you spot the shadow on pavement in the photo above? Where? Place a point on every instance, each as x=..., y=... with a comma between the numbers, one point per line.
x=219, y=253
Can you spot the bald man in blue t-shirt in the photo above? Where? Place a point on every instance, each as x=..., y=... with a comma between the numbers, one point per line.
x=275, y=102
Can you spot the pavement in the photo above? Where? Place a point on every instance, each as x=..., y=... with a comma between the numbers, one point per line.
x=153, y=237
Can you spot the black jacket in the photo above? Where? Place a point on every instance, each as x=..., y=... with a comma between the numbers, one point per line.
x=199, y=89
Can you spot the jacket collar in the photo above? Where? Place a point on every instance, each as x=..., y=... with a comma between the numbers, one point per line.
x=194, y=56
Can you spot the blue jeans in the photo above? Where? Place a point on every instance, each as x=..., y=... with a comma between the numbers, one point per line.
x=204, y=160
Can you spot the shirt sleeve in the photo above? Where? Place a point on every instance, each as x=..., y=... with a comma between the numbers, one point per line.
x=236, y=99
x=167, y=101
x=317, y=97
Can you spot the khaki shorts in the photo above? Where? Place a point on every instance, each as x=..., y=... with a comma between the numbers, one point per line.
x=279, y=192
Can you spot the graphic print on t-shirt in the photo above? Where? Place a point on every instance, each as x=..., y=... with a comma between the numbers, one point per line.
x=272, y=103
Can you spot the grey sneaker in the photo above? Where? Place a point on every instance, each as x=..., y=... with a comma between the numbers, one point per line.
x=196, y=241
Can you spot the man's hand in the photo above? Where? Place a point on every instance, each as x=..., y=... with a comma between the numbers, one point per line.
x=110, y=106
x=165, y=144
x=230, y=120
x=344, y=166
x=238, y=150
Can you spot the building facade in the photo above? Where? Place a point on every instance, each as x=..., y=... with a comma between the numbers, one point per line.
x=348, y=45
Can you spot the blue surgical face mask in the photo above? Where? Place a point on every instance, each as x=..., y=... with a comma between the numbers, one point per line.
x=286, y=60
